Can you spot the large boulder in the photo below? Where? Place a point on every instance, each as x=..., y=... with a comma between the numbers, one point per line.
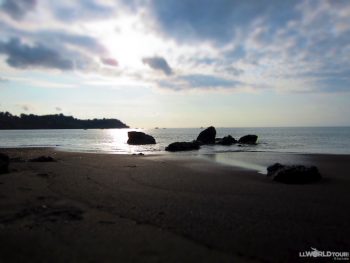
x=140, y=138
x=248, y=139
x=207, y=136
x=182, y=146
x=227, y=140
x=4, y=163
x=293, y=174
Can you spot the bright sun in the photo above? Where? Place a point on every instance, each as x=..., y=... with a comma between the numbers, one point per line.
x=127, y=41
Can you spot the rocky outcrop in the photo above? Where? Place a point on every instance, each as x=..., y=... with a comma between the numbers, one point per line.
x=293, y=174
x=207, y=136
x=182, y=146
x=43, y=159
x=227, y=140
x=4, y=163
x=248, y=139
x=140, y=138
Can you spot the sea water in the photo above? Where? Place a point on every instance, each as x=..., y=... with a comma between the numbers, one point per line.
x=328, y=140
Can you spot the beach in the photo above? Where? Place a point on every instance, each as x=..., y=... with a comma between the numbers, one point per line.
x=89, y=207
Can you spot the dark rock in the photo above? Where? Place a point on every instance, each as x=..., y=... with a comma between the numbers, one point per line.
x=140, y=138
x=4, y=163
x=43, y=159
x=207, y=136
x=272, y=169
x=227, y=140
x=248, y=139
x=182, y=146
x=293, y=174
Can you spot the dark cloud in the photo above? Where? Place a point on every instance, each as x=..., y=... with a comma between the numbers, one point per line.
x=18, y=8
x=54, y=37
x=109, y=62
x=158, y=63
x=60, y=37
x=216, y=21
x=21, y=55
x=51, y=49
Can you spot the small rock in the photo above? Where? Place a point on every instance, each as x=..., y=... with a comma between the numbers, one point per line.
x=293, y=174
x=182, y=146
x=248, y=139
x=140, y=138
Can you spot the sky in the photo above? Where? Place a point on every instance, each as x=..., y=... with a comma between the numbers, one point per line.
x=178, y=63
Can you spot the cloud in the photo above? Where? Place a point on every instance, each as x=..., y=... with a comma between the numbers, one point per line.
x=199, y=82
x=232, y=70
x=26, y=107
x=58, y=109
x=158, y=63
x=2, y=80
x=208, y=81
x=218, y=44
x=58, y=38
x=18, y=8
x=109, y=62
x=20, y=55
x=70, y=11
x=50, y=48
x=215, y=21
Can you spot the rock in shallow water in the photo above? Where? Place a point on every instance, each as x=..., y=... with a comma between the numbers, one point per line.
x=207, y=136
x=293, y=174
x=248, y=139
x=182, y=146
x=4, y=163
x=140, y=138
x=227, y=140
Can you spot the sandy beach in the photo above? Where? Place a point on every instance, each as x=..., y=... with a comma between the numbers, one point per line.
x=123, y=208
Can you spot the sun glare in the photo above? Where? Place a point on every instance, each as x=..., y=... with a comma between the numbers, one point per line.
x=126, y=40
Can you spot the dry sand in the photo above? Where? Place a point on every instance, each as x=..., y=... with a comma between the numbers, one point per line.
x=122, y=208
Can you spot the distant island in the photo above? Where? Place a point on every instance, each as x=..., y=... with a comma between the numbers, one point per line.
x=54, y=121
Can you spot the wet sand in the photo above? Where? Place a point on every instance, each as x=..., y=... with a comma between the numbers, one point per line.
x=122, y=208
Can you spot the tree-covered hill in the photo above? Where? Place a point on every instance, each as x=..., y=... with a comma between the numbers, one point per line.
x=55, y=121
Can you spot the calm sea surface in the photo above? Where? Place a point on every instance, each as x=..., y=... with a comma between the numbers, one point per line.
x=333, y=140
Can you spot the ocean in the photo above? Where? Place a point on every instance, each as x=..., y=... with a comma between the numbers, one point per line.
x=327, y=140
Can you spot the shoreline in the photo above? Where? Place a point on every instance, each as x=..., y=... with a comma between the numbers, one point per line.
x=233, y=159
x=131, y=208
x=161, y=153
